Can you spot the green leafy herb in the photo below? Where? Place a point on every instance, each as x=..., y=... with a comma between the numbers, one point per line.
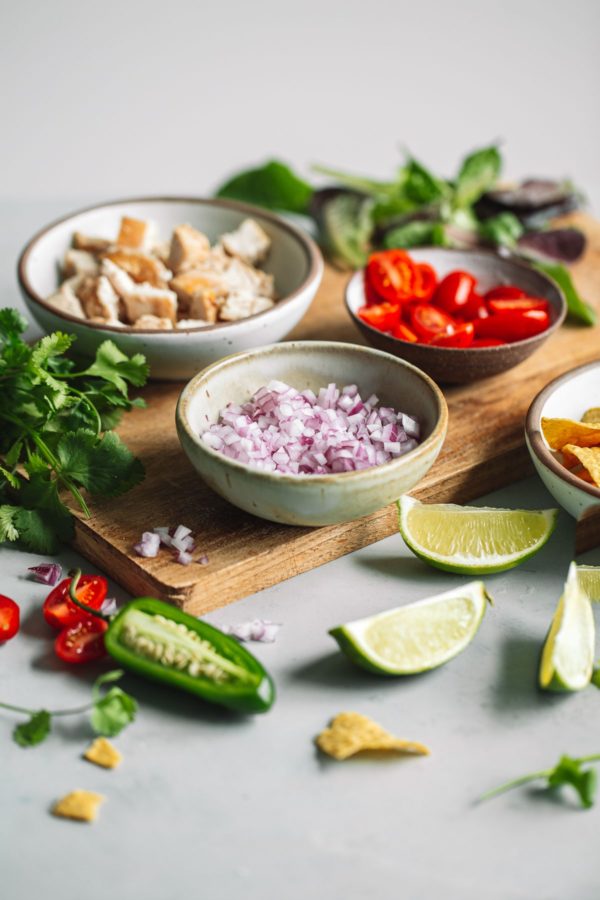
x=273, y=186
x=412, y=234
x=503, y=230
x=347, y=228
x=568, y=771
x=478, y=173
x=55, y=433
x=110, y=713
x=578, y=309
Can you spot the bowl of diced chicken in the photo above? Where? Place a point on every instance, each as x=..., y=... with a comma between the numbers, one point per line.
x=183, y=281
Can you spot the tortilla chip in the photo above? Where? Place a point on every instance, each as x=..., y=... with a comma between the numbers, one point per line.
x=102, y=753
x=351, y=733
x=80, y=805
x=589, y=457
x=559, y=432
x=591, y=416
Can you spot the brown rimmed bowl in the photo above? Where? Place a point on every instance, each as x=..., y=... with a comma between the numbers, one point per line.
x=294, y=260
x=450, y=365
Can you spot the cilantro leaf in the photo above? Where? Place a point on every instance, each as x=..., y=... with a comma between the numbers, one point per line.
x=12, y=324
x=104, y=466
x=42, y=530
x=114, y=366
x=10, y=477
x=34, y=731
x=569, y=771
x=49, y=346
x=112, y=711
x=8, y=528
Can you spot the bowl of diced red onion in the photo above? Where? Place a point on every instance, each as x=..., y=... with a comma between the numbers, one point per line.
x=311, y=432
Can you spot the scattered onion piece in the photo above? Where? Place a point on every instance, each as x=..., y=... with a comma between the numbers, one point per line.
x=46, y=573
x=148, y=545
x=257, y=630
x=109, y=607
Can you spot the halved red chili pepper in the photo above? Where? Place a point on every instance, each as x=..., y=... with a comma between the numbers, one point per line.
x=382, y=316
x=10, y=617
x=513, y=325
x=391, y=275
x=425, y=281
x=404, y=333
x=487, y=342
x=427, y=320
x=453, y=292
x=58, y=609
x=507, y=291
x=462, y=336
x=503, y=303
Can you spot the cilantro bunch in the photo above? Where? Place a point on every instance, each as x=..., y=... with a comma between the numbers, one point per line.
x=55, y=432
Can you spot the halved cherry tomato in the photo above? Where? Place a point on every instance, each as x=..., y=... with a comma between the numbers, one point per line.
x=10, y=617
x=82, y=642
x=487, y=342
x=475, y=308
x=427, y=321
x=506, y=291
x=504, y=303
x=513, y=325
x=453, y=292
x=382, y=316
x=425, y=282
x=462, y=336
x=404, y=333
x=60, y=612
x=370, y=296
x=391, y=274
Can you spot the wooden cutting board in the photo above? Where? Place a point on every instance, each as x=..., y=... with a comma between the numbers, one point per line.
x=484, y=450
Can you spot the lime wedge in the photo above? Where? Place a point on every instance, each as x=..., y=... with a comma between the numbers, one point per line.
x=589, y=580
x=416, y=637
x=568, y=655
x=473, y=540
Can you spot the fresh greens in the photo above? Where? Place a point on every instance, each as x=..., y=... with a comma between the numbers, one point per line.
x=503, y=230
x=55, y=422
x=478, y=173
x=273, y=186
x=568, y=771
x=111, y=712
x=347, y=227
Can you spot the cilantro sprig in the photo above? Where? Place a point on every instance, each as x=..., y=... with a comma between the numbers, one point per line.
x=55, y=431
x=110, y=712
x=569, y=770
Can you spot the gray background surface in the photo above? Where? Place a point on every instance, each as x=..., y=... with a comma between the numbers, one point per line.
x=129, y=98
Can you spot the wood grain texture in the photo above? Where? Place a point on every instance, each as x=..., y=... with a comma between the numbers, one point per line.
x=484, y=451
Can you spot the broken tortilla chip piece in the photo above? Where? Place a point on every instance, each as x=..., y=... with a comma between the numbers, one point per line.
x=591, y=416
x=350, y=733
x=80, y=805
x=589, y=457
x=102, y=753
x=559, y=432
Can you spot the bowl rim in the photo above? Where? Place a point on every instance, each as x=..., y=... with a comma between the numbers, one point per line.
x=428, y=348
x=438, y=433
x=534, y=435
x=312, y=253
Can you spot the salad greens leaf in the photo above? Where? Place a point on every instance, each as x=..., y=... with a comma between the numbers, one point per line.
x=478, y=173
x=421, y=186
x=274, y=186
x=413, y=234
x=503, y=230
x=347, y=227
x=34, y=731
x=577, y=308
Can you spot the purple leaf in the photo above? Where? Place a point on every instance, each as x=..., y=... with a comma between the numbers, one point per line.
x=561, y=244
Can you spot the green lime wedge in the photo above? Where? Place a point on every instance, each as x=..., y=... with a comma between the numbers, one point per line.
x=418, y=636
x=568, y=655
x=473, y=540
x=589, y=580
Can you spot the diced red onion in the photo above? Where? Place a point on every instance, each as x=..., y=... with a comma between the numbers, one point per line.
x=184, y=558
x=109, y=606
x=46, y=573
x=203, y=560
x=257, y=630
x=284, y=430
x=148, y=545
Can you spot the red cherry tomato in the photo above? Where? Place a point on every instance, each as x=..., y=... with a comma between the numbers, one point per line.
x=10, y=617
x=487, y=342
x=391, y=275
x=425, y=282
x=513, y=325
x=475, y=308
x=462, y=337
x=370, y=296
x=382, y=316
x=60, y=612
x=427, y=321
x=522, y=303
x=82, y=642
x=506, y=291
x=453, y=292
x=404, y=333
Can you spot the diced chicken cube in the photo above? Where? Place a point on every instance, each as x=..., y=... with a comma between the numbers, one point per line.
x=199, y=294
x=79, y=262
x=146, y=300
x=141, y=267
x=99, y=298
x=135, y=234
x=91, y=244
x=189, y=247
x=249, y=242
x=161, y=250
x=120, y=280
x=65, y=299
x=192, y=323
x=100, y=320
x=239, y=276
x=242, y=304
x=154, y=322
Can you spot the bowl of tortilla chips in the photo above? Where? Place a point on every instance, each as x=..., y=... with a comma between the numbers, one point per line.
x=562, y=431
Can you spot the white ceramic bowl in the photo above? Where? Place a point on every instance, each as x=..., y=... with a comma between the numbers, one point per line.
x=568, y=397
x=294, y=260
x=311, y=499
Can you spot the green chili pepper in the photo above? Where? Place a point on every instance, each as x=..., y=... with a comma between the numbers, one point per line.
x=160, y=642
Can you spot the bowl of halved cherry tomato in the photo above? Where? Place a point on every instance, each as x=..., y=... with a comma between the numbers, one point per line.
x=459, y=315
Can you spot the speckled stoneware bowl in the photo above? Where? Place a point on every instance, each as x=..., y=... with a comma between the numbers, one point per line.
x=458, y=366
x=294, y=260
x=311, y=499
x=567, y=397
